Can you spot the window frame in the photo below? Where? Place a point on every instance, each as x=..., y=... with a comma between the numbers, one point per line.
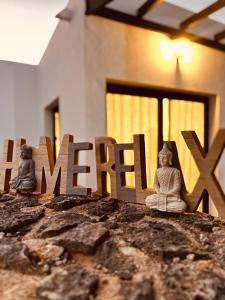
x=160, y=94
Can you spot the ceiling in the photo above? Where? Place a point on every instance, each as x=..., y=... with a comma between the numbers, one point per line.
x=202, y=21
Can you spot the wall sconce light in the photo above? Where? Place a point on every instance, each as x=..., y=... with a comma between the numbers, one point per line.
x=180, y=49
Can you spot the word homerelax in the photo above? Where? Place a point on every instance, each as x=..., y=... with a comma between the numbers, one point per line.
x=61, y=177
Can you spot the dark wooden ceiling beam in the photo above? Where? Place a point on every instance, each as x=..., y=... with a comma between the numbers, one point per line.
x=196, y=18
x=220, y=36
x=171, y=32
x=147, y=6
x=92, y=6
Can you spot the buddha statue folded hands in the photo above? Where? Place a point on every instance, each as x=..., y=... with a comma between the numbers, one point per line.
x=25, y=180
x=167, y=184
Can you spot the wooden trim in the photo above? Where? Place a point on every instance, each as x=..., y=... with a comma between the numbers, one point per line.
x=171, y=32
x=153, y=92
x=220, y=36
x=160, y=123
x=147, y=6
x=196, y=18
x=92, y=6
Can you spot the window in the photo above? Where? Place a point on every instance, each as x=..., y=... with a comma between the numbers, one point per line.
x=160, y=115
x=52, y=125
x=56, y=131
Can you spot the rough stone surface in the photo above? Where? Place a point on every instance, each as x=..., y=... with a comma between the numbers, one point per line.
x=130, y=214
x=133, y=252
x=12, y=220
x=22, y=201
x=85, y=238
x=43, y=251
x=73, y=282
x=162, y=239
x=102, y=207
x=194, y=280
x=6, y=197
x=142, y=290
x=14, y=255
x=57, y=224
x=65, y=202
x=110, y=256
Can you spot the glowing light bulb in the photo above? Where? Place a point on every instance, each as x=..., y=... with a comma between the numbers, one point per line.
x=182, y=50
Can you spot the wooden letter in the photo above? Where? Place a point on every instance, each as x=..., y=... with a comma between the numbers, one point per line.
x=206, y=165
x=140, y=169
x=103, y=166
x=123, y=192
x=8, y=167
x=61, y=177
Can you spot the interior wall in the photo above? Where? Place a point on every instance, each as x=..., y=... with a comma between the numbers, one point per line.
x=18, y=114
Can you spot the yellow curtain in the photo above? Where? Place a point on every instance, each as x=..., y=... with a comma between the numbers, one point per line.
x=181, y=115
x=127, y=115
x=57, y=132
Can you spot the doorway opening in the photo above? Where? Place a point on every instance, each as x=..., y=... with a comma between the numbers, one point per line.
x=52, y=125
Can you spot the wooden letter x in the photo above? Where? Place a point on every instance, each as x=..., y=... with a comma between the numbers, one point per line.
x=206, y=165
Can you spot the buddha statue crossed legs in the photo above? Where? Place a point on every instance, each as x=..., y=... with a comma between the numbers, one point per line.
x=167, y=184
x=25, y=180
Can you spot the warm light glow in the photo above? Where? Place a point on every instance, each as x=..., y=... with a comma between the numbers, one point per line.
x=182, y=50
x=128, y=115
x=176, y=49
x=179, y=115
x=57, y=132
x=166, y=49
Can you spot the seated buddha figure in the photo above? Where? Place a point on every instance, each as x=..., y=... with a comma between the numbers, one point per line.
x=25, y=180
x=167, y=184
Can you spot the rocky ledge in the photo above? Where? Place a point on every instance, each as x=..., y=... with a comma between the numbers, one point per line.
x=77, y=248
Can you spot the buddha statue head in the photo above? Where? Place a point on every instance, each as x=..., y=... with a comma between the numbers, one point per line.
x=25, y=152
x=165, y=156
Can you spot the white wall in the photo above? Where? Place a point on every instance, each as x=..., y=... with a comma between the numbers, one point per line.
x=61, y=74
x=18, y=114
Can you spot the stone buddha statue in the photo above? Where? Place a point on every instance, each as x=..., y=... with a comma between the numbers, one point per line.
x=25, y=180
x=167, y=184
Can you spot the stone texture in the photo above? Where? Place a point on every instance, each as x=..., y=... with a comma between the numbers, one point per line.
x=6, y=197
x=12, y=220
x=64, y=202
x=130, y=214
x=136, y=253
x=73, y=282
x=85, y=238
x=142, y=290
x=110, y=257
x=102, y=207
x=162, y=239
x=57, y=224
x=44, y=251
x=22, y=201
x=194, y=280
x=14, y=255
